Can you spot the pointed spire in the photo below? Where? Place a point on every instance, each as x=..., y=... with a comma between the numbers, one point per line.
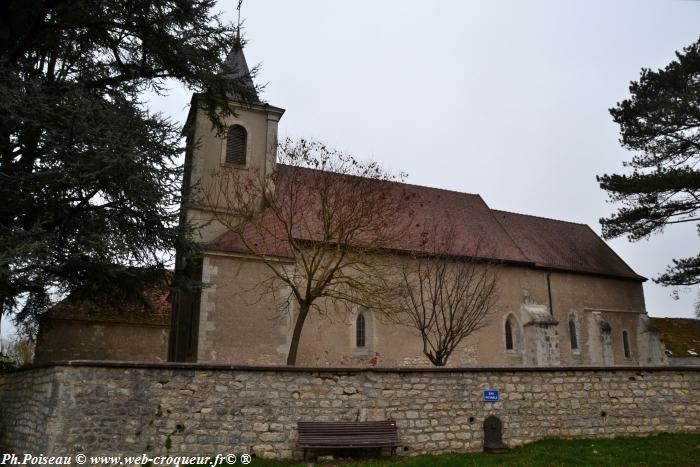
x=236, y=68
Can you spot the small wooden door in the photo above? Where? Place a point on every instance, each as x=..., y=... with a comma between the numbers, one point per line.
x=493, y=434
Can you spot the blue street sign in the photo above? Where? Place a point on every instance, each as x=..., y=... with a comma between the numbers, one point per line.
x=491, y=395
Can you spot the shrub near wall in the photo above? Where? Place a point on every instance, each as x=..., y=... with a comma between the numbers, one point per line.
x=131, y=409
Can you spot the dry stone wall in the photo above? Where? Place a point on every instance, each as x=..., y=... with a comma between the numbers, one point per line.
x=177, y=409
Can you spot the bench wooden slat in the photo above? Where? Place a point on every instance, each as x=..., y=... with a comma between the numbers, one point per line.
x=324, y=432
x=339, y=435
x=349, y=424
x=354, y=440
x=350, y=433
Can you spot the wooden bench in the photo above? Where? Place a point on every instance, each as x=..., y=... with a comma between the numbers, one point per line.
x=347, y=435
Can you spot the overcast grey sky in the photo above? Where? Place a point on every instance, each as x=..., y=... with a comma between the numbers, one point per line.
x=505, y=99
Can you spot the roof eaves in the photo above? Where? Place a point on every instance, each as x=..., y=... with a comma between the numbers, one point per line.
x=585, y=272
x=600, y=240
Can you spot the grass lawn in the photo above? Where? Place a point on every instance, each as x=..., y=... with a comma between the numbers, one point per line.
x=672, y=450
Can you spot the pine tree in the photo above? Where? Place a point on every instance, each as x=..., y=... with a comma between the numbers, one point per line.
x=661, y=123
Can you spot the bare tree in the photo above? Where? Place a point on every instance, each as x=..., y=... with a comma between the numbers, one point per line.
x=325, y=209
x=445, y=297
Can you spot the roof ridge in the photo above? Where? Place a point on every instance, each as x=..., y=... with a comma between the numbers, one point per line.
x=396, y=182
x=542, y=217
x=446, y=190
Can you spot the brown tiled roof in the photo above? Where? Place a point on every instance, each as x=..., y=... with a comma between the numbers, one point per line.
x=563, y=245
x=681, y=336
x=272, y=244
x=513, y=238
x=91, y=308
x=476, y=229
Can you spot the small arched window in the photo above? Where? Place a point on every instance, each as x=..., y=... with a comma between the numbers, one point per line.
x=572, y=334
x=626, y=344
x=509, y=334
x=360, y=330
x=236, y=141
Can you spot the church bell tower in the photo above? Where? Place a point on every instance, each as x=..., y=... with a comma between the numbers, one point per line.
x=249, y=143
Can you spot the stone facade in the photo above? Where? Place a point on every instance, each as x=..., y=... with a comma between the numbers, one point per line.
x=80, y=339
x=86, y=326
x=179, y=409
x=241, y=322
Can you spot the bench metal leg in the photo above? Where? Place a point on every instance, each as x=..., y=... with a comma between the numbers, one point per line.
x=308, y=458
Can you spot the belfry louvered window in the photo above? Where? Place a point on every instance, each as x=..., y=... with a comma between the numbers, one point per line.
x=236, y=140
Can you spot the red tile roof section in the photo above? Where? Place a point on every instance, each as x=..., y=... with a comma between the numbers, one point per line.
x=476, y=230
x=272, y=244
x=513, y=238
x=555, y=244
x=97, y=309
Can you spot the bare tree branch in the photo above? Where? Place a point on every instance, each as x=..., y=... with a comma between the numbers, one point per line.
x=328, y=212
x=445, y=298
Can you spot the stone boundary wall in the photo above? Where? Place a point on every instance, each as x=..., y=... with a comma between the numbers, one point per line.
x=134, y=408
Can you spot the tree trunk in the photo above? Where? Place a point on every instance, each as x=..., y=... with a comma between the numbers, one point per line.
x=298, y=326
x=3, y=298
x=437, y=359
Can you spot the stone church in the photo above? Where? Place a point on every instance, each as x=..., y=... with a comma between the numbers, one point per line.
x=566, y=298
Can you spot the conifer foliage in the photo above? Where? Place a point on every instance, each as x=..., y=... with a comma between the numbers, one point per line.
x=660, y=122
x=89, y=178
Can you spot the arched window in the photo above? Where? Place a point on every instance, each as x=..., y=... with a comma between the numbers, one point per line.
x=360, y=330
x=236, y=140
x=572, y=334
x=626, y=344
x=509, y=334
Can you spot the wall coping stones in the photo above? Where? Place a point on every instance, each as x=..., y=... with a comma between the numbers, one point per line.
x=348, y=370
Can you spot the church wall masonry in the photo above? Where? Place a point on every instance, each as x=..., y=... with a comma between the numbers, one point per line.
x=242, y=323
x=197, y=409
x=63, y=339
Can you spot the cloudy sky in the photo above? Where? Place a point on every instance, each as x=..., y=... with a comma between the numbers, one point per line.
x=505, y=99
